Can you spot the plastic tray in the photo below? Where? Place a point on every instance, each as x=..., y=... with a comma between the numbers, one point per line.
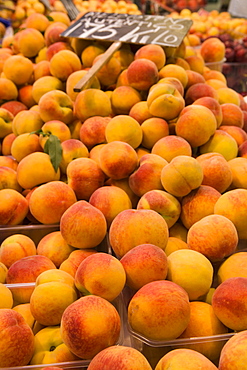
x=217, y=66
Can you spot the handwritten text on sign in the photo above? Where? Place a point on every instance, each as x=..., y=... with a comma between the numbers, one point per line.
x=139, y=29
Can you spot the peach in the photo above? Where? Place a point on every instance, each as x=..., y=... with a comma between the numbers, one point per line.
x=8, y=161
x=63, y=63
x=153, y=52
x=174, y=244
x=216, y=171
x=165, y=101
x=24, y=310
x=173, y=81
x=221, y=142
x=140, y=226
x=212, y=50
x=232, y=115
x=71, y=264
x=3, y=57
x=124, y=185
x=153, y=129
x=171, y=146
x=109, y=72
x=196, y=63
x=147, y=176
x=56, y=105
x=6, y=119
x=8, y=90
x=238, y=167
x=15, y=247
x=125, y=55
x=18, y=69
x=78, y=45
x=38, y=21
x=14, y=207
x=209, y=74
x=92, y=131
x=14, y=107
x=58, y=196
x=25, y=95
x=30, y=42
x=90, y=52
x=181, y=264
x=123, y=98
x=45, y=84
x=178, y=230
x=229, y=303
x=13, y=338
x=142, y=74
x=163, y=203
x=60, y=16
x=119, y=357
x=3, y=273
x=26, y=270
x=236, y=132
x=54, y=127
x=140, y=112
x=160, y=304
x=199, y=90
x=233, y=266
x=6, y=145
x=215, y=83
x=85, y=342
x=41, y=69
x=24, y=145
x=233, y=353
x=9, y=179
x=124, y=128
x=181, y=175
x=92, y=102
x=53, y=33
x=96, y=273
x=242, y=150
x=232, y=204
x=110, y=200
x=72, y=149
x=35, y=169
x=172, y=70
x=228, y=95
x=74, y=78
x=84, y=177
x=26, y=122
x=122, y=79
x=75, y=127
x=118, y=159
x=56, y=47
x=223, y=238
x=142, y=259
x=6, y=297
x=213, y=105
x=194, y=78
x=85, y=234
x=187, y=358
x=193, y=205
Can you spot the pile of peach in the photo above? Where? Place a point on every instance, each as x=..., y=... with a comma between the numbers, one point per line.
x=150, y=159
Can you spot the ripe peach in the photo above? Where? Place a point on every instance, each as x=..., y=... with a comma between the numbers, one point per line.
x=38, y=21
x=8, y=178
x=110, y=200
x=109, y=72
x=172, y=70
x=140, y=112
x=54, y=247
x=147, y=176
x=14, y=107
x=125, y=55
x=215, y=83
x=30, y=42
x=18, y=69
x=242, y=150
x=8, y=90
x=142, y=74
x=92, y=131
x=15, y=247
x=124, y=128
x=171, y=146
x=56, y=105
x=194, y=78
x=72, y=149
x=181, y=175
x=233, y=266
x=229, y=304
x=232, y=204
x=238, y=167
x=92, y=102
x=14, y=338
x=58, y=198
x=14, y=207
x=221, y=142
x=6, y=119
x=91, y=229
x=41, y=69
x=199, y=90
x=228, y=95
x=8, y=161
x=213, y=105
x=153, y=52
x=174, y=244
x=212, y=50
x=71, y=264
x=223, y=237
x=56, y=47
x=36, y=169
x=90, y=52
x=60, y=16
x=74, y=78
x=25, y=95
x=119, y=357
x=193, y=205
x=53, y=32
x=45, y=84
x=26, y=270
x=190, y=124
x=25, y=144
x=173, y=81
x=139, y=226
x=118, y=159
x=26, y=121
x=233, y=353
x=196, y=63
x=6, y=145
x=209, y=74
x=236, y=132
x=124, y=185
x=54, y=127
x=178, y=230
x=85, y=342
x=123, y=98
x=63, y=63
x=160, y=304
x=84, y=177
x=153, y=129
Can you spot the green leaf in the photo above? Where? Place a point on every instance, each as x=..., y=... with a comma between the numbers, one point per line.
x=37, y=132
x=54, y=149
